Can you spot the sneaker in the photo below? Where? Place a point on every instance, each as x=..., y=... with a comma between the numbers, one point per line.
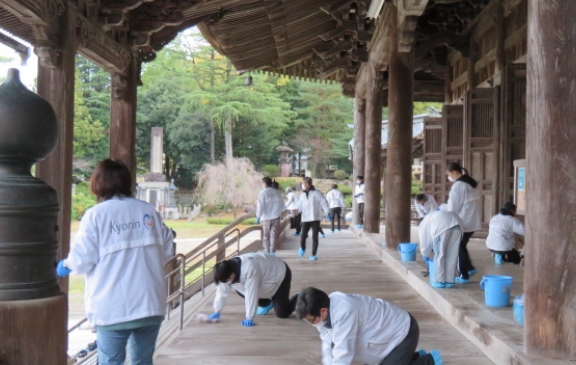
x=296, y=234
x=449, y=285
x=332, y=231
x=301, y=252
x=438, y=285
x=498, y=259
x=472, y=272
x=323, y=235
x=261, y=311
x=462, y=281
x=360, y=226
x=272, y=254
x=421, y=353
x=313, y=258
x=436, y=356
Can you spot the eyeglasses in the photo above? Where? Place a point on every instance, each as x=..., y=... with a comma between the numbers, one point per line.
x=310, y=321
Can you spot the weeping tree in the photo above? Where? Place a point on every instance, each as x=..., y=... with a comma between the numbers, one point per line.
x=233, y=184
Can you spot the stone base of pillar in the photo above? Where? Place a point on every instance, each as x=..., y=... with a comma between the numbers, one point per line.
x=34, y=332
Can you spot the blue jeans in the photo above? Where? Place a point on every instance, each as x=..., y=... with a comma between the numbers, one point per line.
x=141, y=341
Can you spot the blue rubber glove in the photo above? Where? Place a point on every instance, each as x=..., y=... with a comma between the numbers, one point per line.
x=427, y=259
x=248, y=323
x=62, y=270
x=257, y=220
x=329, y=217
x=213, y=316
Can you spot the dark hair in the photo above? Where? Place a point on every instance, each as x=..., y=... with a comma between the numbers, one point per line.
x=267, y=180
x=420, y=197
x=223, y=270
x=310, y=301
x=335, y=186
x=455, y=166
x=360, y=177
x=508, y=209
x=111, y=178
x=307, y=180
x=275, y=185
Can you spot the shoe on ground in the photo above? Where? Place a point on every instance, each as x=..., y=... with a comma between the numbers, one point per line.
x=272, y=254
x=472, y=272
x=323, y=235
x=296, y=234
x=313, y=258
x=301, y=252
x=360, y=226
x=438, y=285
x=421, y=353
x=332, y=231
x=261, y=311
x=498, y=259
x=462, y=281
x=449, y=285
x=436, y=356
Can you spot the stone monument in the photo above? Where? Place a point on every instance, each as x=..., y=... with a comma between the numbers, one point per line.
x=285, y=160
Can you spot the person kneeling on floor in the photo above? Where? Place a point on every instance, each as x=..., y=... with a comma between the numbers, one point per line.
x=263, y=281
x=363, y=329
x=501, y=235
x=441, y=231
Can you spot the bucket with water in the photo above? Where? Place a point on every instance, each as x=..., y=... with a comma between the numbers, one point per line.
x=408, y=251
x=496, y=290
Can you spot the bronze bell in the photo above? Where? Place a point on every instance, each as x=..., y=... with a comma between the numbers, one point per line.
x=28, y=206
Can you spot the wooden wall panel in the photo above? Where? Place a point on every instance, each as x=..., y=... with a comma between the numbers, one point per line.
x=433, y=157
x=452, y=142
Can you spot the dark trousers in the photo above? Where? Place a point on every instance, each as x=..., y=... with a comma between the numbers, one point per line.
x=335, y=214
x=315, y=225
x=464, y=261
x=360, y=213
x=405, y=353
x=297, y=222
x=283, y=305
x=512, y=256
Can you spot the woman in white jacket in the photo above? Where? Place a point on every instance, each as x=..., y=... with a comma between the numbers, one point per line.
x=263, y=281
x=291, y=204
x=122, y=247
x=312, y=203
x=336, y=202
x=360, y=329
x=464, y=200
x=502, y=235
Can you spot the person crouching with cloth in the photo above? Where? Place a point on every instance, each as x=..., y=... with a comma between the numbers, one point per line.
x=263, y=281
x=363, y=329
x=441, y=231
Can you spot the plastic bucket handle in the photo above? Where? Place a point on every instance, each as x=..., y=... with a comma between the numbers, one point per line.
x=414, y=246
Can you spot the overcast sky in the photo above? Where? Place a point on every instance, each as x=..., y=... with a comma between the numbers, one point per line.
x=27, y=73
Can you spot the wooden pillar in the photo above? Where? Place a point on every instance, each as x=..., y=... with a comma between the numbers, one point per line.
x=399, y=164
x=123, y=116
x=471, y=64
x=549, y=284
x=373, y=137
x=359, y=142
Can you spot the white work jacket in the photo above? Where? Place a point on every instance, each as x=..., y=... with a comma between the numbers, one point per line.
x=312, y=204
x=501, y=232
x=359, y=193
x=433, y=225
x=260, y=278
x=270, y=204
x=429, y=205
x=335, y=199
x=464, y=200
x=292, y=201
x=364, y=329
x=122, y=247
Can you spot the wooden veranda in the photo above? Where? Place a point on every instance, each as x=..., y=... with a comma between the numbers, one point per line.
x=503, y=68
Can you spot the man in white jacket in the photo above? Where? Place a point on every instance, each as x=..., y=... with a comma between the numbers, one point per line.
x=336, y=202
x=441, y=231
x=359, y=195
x=263, y=281
x=358, y=328
x=502, y=235
x=312, y=203
x=268, y=210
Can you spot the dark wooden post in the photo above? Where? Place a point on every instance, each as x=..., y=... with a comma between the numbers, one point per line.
x=399, y=157
x=373, y=137
x=550, y=268
x=359, y=150
x=123, y=116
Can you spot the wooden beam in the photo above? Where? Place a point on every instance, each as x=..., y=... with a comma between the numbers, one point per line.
x=14, y=44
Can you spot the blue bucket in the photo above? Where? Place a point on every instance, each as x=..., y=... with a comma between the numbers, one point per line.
x=518, y=309
x=431, y=272
x=497, y=290
x=408, y=251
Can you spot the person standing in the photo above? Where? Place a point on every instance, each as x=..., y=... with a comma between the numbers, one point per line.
x=361, y=329
x=502, y=235
x=464, y=200
x=291, y=204
x=268, y=210
x=336, y=201
x=425, y=204
x=263, y=281
x=359, y=195
x=311, y=204
x=122, y=247
x=440, y=231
